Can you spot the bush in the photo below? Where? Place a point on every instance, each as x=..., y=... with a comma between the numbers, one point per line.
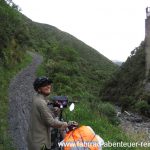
x=142, y=107
x=109, y=111
x=146, y=97
x=61, y=78
x=126, y=102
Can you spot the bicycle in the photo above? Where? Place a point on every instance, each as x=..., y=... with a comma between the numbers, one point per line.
x=60, y=102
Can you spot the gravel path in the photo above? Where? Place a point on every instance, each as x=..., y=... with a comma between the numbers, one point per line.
x=20, y=96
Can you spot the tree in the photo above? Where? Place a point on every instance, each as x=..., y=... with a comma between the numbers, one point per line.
x=13, y=5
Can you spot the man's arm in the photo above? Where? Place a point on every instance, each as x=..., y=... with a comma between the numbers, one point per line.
x=48, y=118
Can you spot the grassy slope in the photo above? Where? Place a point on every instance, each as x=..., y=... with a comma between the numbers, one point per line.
x=67, y=58
x=12, y=35
x=12, y=59
x=100, y=116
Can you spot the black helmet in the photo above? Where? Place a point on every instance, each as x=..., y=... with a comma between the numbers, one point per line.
x=40, y=82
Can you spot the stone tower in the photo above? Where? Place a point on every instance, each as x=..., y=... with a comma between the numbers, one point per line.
x=147, y=40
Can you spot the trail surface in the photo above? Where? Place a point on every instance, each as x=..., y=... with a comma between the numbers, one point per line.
x=20, y=97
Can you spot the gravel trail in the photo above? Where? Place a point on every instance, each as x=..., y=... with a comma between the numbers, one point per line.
x=20, y=96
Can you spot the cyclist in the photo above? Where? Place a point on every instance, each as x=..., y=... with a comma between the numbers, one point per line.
x=42, y=118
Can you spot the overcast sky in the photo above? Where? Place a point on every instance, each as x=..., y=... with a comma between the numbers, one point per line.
x=113, y=27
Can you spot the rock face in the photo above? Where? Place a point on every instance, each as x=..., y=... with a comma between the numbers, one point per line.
x=20, y=97
x=134, y=123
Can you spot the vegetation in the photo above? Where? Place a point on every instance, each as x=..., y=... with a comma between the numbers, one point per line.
x=12, y=35
x=126, y=86
x=12, y=59
x=100, y=123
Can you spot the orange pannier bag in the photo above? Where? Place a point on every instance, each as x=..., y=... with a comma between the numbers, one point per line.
x=82, y=138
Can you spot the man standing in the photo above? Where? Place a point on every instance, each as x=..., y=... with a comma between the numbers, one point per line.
x=41, y=117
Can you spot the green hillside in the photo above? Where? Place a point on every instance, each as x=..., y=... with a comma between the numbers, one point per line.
x=12, y=35
x=74, y=66
x=77, y=70
x=127, y=85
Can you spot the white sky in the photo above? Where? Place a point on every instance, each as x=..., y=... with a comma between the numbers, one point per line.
x=113, y=27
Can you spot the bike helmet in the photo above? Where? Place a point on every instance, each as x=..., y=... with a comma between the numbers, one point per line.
x=40, y=82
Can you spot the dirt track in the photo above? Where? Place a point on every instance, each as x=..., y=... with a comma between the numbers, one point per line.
x=20, y=96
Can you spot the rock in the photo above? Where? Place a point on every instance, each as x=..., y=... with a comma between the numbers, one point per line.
x=134, y=119
x=132, y=122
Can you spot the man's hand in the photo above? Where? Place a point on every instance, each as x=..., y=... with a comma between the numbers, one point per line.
x=72, y=125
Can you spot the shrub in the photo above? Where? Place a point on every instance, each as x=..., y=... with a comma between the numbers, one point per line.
x=146, y=97
x=142, y=107
x=126, y=102
x=61, y=78
x=109, y=111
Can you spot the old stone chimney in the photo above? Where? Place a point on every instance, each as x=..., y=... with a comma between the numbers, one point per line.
x=147, y=40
